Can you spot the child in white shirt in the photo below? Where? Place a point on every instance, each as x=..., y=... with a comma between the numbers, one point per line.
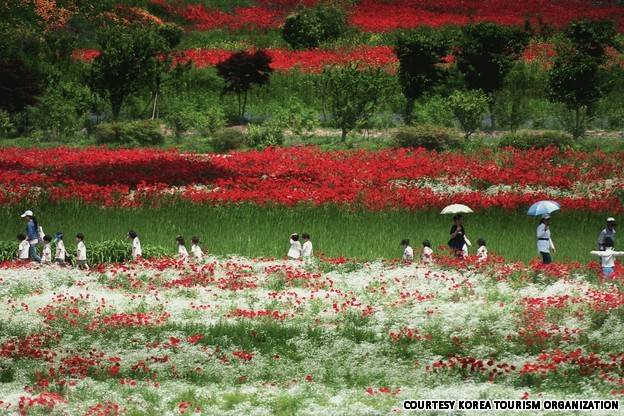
x=295, y=247
x=306, y=249
x=408, y=252
x=482, y=252
x=137, y=252
x=182, y=252
x=607, y=257
x=46, y=256
x=23, y=248
x=81, y=252
x=467, y=244
x=59, y=255
x=427, y=253
x=196, y=250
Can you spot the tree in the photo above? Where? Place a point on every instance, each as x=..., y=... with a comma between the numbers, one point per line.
x=468, y=108
x=20, y=84
x=309, y=27
x=485, y=54
x=352, y=94
x=130, y=62
x=420, y=56
x=242, y=71
x=172, y=35
x=524, y=83
x=577, y=79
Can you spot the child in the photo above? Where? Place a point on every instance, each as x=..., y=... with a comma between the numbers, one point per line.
x=60, y=254
x=467, y=244
x=607, y=257
x=427, y=252
x=408, y=252
x=46, y=256
x=137, y=252
x=196, y=249
x=295, y=247
x=482, y=252
x=24, y=247
x=182, y=253
x=306, y=250
x=81, y=252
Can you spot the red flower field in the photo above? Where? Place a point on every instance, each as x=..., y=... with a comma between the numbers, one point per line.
x=390, y=179
x=385, y=16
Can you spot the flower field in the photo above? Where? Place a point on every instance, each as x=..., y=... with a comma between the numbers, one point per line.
x=389, y=179
x=377, y=20
x=265, y=337
x=385, y=16
x=355, y=203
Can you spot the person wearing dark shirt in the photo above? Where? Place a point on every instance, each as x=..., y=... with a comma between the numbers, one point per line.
x=457, y=241
x=608, y=232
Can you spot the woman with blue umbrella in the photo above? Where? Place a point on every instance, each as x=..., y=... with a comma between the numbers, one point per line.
x=544, y=238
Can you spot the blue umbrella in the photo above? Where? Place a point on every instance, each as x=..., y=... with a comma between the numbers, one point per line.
x=543, y=207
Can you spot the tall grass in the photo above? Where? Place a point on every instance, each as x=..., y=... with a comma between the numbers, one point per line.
x=263, y=231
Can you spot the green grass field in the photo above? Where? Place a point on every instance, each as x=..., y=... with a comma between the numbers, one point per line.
x=257, y=231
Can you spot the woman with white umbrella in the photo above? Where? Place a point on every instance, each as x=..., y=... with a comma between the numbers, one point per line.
x=458, y=239
x=458, y=234
x=544, y=240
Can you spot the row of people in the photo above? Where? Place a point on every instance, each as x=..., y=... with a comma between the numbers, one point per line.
x=458, y=243
x=61, y=255
x=427, y=252
x=26, y=249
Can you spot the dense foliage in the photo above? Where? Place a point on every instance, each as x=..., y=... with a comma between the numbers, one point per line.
x=309, y=27
x=172, y=61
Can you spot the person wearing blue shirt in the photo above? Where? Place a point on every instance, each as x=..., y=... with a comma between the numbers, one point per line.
x=32, y=235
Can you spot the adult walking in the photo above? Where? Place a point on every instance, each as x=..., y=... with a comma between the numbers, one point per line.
x=607, y=232
x=544, y=240
x=458, y=239
x=32, y=235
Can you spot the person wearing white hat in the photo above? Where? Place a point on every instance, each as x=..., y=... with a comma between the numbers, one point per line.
x=608, y=231
x=544, y=240
x=32, y=235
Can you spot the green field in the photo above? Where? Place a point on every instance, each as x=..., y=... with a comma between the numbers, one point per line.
x=263, y=231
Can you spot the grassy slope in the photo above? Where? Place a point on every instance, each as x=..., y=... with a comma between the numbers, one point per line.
x=254, y=231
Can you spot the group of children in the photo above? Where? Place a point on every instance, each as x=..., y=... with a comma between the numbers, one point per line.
x=300, y=251
x=196, y=251
x=61, y=256
x=426, y=256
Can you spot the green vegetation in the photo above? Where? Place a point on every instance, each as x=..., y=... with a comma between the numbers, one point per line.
x=263, y=231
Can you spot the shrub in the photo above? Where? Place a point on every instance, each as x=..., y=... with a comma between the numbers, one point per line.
x=205, y=121
x=8, y=250
x=118, y=251
x=301, y=120
x=212, y=120
x=61, y=109
x=6, y=125
x=309, y=27
x=429, y=136
x=134, y=133
x=226, y=140
x=536, y=139
x=353, y=94
x=270, y=133
x=468, y=108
